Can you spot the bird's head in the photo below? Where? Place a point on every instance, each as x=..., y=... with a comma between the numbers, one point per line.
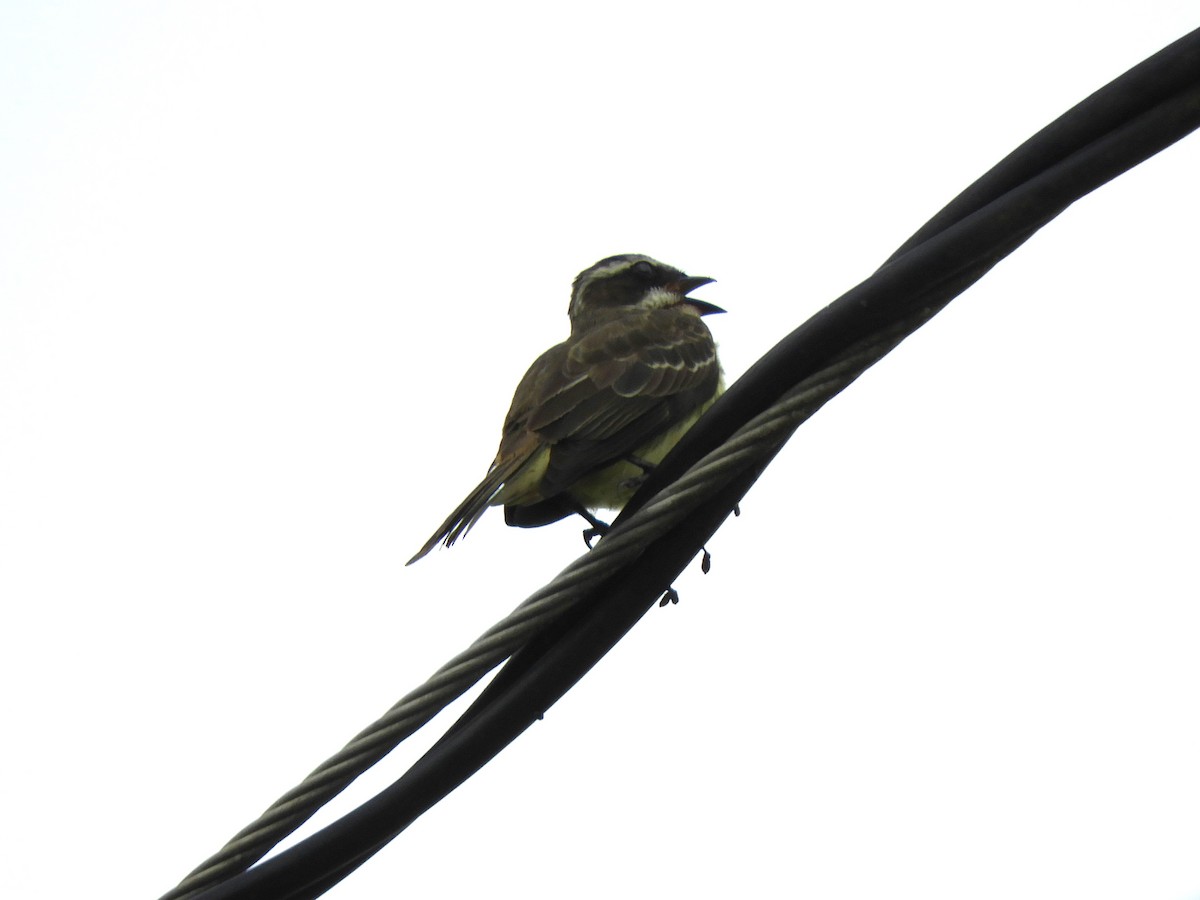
x=632, y=281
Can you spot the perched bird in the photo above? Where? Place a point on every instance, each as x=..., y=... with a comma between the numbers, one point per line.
x=597, y=412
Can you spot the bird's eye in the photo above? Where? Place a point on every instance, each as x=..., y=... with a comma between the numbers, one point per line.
x=643, y=269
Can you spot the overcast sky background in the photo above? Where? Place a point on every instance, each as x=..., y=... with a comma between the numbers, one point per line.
x=269, y=273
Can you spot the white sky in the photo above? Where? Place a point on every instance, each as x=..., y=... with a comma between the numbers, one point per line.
x=268, y=275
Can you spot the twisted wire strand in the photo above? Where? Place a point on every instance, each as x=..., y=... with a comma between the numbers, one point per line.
x=760, y=437
x=1148, y=108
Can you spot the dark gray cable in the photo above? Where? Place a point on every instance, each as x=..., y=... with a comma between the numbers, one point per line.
x=760, y=437
x=1149, y=107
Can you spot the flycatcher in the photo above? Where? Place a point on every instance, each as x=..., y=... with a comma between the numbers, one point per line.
x=595, y=413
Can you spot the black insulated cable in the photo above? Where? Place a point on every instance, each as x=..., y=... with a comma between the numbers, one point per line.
x=1145, y=110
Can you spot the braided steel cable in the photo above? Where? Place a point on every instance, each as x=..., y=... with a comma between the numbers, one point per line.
x=1146, y=109
x=761, y=437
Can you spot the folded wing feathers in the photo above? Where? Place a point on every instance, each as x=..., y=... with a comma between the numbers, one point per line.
x=646, y=368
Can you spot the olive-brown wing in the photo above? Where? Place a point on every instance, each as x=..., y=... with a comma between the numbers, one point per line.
x=618, y=386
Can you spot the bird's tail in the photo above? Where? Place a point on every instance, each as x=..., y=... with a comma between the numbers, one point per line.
x=467, y=513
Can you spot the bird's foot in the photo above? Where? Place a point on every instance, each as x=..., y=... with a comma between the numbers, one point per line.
x=637, y=481
x=670, y=595
x=645, y=465
x=598, y=529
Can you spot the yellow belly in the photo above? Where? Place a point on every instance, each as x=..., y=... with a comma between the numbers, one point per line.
x=611, y=487
x=608, y=488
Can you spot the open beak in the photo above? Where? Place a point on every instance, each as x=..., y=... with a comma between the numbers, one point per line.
x=689, y=283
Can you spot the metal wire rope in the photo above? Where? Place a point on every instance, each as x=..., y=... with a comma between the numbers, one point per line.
x=758, y=438
x=755, y=441
x=761, y=435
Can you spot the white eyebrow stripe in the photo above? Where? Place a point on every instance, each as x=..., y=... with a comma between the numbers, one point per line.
x=620, y=265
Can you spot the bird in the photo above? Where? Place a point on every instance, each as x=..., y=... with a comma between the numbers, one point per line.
x=597, y=412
